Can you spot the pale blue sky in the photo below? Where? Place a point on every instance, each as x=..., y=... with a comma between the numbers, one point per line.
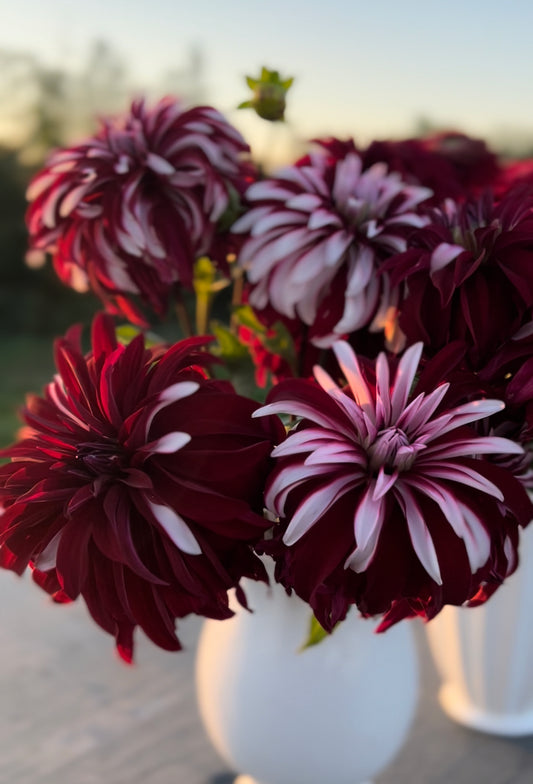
x=362, y=68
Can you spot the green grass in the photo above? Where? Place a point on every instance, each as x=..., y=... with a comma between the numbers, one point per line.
x=27, y=365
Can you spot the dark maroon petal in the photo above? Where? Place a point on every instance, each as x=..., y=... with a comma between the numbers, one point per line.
x=73, y=557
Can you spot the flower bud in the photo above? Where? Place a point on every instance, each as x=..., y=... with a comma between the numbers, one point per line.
x=269, y=95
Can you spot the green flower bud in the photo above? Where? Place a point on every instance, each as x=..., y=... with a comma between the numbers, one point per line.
x=269, y=92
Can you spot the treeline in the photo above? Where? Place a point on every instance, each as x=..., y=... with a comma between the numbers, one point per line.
x=31, y=300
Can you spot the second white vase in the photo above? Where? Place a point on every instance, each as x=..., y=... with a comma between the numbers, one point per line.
x=485, y=655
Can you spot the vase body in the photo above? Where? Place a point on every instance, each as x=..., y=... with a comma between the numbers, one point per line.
x=336, y=712
x=484, y=655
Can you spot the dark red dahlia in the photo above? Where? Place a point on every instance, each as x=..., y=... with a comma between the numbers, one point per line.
x=468, y=275
x=452, y=164
x=317, y=234
x=510, y=371
x=384, y=496
x=509, y=375
x=138, y=484
x=128, y=211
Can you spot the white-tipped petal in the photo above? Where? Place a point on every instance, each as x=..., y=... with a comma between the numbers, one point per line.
x=172, y=394
x=368, y=517
x=168, y=444
x=352, y=372
x=315, y=506
x=176, y=528
x=443, y=255
x=47, y=559
x=463, y=521
x=463, y=475
x=301, y=409
x=404, y=378
x=468, y=447
x=368, y=522
x=306, y=440
x=286, y=481
x=465, y=414
x=476, y=539
x=419, y=534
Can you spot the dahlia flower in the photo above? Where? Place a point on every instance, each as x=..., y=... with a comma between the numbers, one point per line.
x=510, y=370
x=452, y=164
x=385, y=498
x=509, y=375
x=128, y=211
x=316, y=235
x=138, y=484
x=469, y=274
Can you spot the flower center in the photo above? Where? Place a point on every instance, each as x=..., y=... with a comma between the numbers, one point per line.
x=472, y=227
x=391, y=450
x=465, y=236
x=357, y=212
x=102, y=458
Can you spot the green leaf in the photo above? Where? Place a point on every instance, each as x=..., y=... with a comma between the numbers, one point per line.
x=242, y=378
x=126, y=333
x=316, y=633
x=246, y=316
x=251, y=82
x=229, y=346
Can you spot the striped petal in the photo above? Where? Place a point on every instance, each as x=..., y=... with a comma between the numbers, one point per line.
x=315, y=506
x=418, y=531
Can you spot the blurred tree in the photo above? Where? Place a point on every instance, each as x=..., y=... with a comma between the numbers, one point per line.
x=101, y=88
x=187, y=81
x=47, y=107
x=34, y=105
x=26, y=295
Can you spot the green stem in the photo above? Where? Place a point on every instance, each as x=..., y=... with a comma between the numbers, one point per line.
x=183, y=316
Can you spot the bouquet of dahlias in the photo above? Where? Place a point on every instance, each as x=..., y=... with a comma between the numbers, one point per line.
x=385, y=297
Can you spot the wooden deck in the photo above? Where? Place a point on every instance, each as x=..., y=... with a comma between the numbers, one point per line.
x=72, y=713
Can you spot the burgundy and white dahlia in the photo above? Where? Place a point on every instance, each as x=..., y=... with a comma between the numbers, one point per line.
x=317, y=234
x=138, y=484
x=128, y=211
x=384, y=497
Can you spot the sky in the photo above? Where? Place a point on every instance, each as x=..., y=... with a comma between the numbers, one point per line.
x=362, y=69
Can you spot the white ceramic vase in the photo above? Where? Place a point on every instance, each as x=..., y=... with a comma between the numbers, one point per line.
x=336, y=712
x=485, y=655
